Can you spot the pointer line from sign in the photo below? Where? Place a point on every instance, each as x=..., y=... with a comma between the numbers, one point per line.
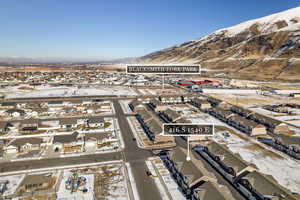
x=188, y=158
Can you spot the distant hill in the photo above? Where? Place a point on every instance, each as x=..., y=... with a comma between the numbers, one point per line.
x=264, y=48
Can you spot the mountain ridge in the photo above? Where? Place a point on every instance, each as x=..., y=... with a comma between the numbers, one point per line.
x=268, y=47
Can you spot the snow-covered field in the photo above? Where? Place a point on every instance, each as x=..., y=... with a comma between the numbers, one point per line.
x=295, y=120
x=14, y=92
x=229, y=91
x=13, y=183
x=285, y=171
x=65, y=194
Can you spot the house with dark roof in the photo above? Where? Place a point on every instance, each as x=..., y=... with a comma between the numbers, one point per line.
x=8, y=105
x=157, y=105
x=23, y=145
x=201, y=103
x=68, y=123
x=28, y=126
x=267, y=186
x=193, y=179
x=35, y=182
x=68, y=143
x=170, y=115
x=15, y=112
x=4, y=127
x=95, y=122
x=134, y=104
x=95, y=139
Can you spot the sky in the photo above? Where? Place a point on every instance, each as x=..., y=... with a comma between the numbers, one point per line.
x=105, y=29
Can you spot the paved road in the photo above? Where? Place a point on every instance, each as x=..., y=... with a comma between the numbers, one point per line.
x=55, y=162
x=52, y=118
x=136, y=157
x=90, y=97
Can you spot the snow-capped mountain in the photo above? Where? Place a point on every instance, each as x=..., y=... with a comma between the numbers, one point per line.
x=268, y=47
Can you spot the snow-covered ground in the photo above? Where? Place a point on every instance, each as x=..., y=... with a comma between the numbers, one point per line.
x=65, y=194
x=65, y=91
x=13, y=183
x=229, y=91
x=166, y=178
x=125, y=107
x=285, y=171
x=115, y=187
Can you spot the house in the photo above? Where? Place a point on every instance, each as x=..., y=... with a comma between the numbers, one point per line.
x=93, y=139
x=193, y=179
x=234, y=163
x=295, y=95
x=76, y=102
x=281, y=128
x=68, y=123
x=69, y=109
x=8, y=105
x=248, y=126
x=171, y=115
x=28, y=126
x=15, y=112
x=241, y=123
x=144, y=114
x=187, y=99
x=152, y=127
x=55, y=103
x=134, y=104
x=156, y=129
x=3, y=186
x=68, y=143
x=267, y=186
x=35, y=182
x=157, y=105
x=96, y=122
x=1, y=153
x=201, y=103
x=167, y=99
x=23, y=145
x=224, y=105
x=4, y=126
x=271, y=124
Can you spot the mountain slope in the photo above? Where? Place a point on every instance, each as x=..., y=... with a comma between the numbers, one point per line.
x=268, y=47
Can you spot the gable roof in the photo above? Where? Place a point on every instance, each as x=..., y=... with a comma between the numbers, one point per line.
x=67, y=121
x=64, y=139
x=172, y=113
x=22, y=141
x=96, y=120
x=35, y=179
